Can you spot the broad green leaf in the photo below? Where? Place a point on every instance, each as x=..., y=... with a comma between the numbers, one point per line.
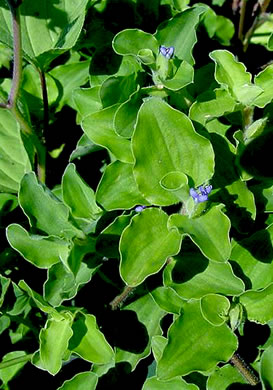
x=193, y=276
x=32, y=91
x=70, y=76
x=107, y=243
x=39, y=301
x=117, y=188
x=141, y=254
x=82, y=381
x=8, y=203
x=210, y=232
x=268, y=195
x=224, y=30
x=132, y=41
x=188, y=339
x=262, y=32
x=214, y=308
x=179, y=29
x=63, y=285
x=264, y=80
x=149, y=315
x=88, y=341
x=266, y=368
x=254, y=256
x=80, y=198
x=99, y=128
x=259, y=304
x=14, y=162
x=233, y=75
x=52, y=217
x=212, y=104
x=7, y=373
x=47, y=29
x=182, y=77
x=270, y=42
x=41, y=251
x=117, y=89
x=4, y=283
x=168, y=299
x=159, y=130
x=54, y=339
x=224, y=377
x=126, y=114
x=86, y=101
x=158, y=344
x=154, y=383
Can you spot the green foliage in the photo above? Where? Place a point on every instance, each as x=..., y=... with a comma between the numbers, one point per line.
x=136, y=182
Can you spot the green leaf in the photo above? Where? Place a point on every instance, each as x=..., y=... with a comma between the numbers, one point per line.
x=107, y=243
x=158, y=345
x=99, y=128
x=14, y=162
x=168, y=299
x=82, y=381
x=8, y=203
x=47, y=29
x=32, y=91
x=117, y=188
x=224, y=30
x=132, y=41
x=54, y=340
x=254, y=255
x=88, y=341
x=86, y=101
x=264, y=80
x=52, y=218
x=41, y=251
x=266, y=368
x=126, y=114
x=210, y=232
x=179, y=29
x=224, y=377
x=117, y=89
x=4, y=283
x=188, y=339
x=80, y=198
x=193, y=276
x=233, y=75
x=259, y=304
x=63, y=285
x=154, y=383
x=215, y=308
x=141, y=254
x=69, y=77
x=182, y=77
x=39, y=301
x=7, y=373
x=150, y=316
x=212, y=104
x=270, y=42
x=164, y=128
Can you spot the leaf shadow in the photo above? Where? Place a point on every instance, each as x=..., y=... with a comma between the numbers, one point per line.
x=185, y=268
x=260, y=246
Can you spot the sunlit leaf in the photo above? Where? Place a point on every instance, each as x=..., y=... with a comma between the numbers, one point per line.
x=188, y=339
x=141, y=254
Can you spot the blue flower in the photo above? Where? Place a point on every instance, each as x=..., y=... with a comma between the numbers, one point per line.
x=201, y=194
x=138, y=209
x=167, y=52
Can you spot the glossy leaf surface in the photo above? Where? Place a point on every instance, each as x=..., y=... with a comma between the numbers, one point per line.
x=188, y=339
x=143, y=255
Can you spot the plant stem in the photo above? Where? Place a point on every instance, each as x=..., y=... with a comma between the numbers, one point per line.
x=258, y=21
x=17, y=57
x=121, y=298
x=242, y=20
x=244, y=370
x=13, y=362
x=15, y=89
x=45, y=101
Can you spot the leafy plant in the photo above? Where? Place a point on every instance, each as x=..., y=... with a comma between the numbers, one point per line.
x=136, y=194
